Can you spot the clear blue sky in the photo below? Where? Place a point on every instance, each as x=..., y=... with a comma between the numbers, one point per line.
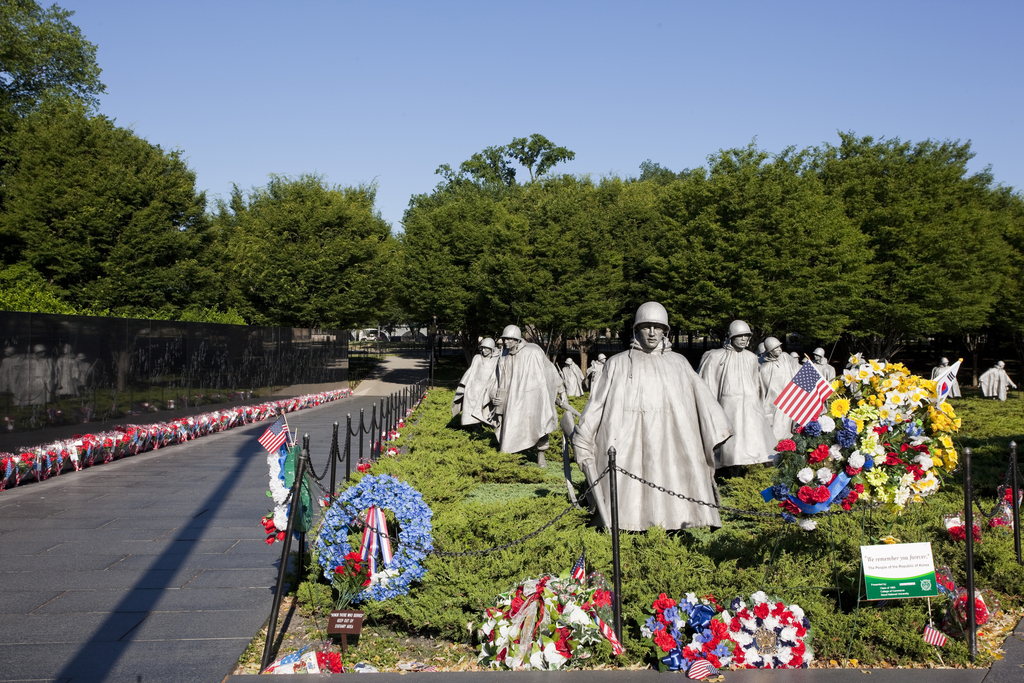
x=385, y=92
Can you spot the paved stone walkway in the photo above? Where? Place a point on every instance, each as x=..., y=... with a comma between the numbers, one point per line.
x=151, y=568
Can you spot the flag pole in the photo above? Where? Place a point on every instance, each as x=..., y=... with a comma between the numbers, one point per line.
x=284, y=416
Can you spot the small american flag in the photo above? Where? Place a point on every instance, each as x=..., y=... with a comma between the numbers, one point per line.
x=579, y=570
x=275, y=435
x=804, y=396
x=701, y=669
x=934, y=636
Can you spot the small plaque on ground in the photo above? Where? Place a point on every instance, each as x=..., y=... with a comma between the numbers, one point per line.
x=901, y=570
x=345, y=622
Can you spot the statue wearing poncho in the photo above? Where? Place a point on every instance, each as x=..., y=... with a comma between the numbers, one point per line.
x=943, y=365
x=594, y=371
x=573, y=378
x=471, y=397
x=994, y=382
x=523, y=394
x=734, y=378
x=664, y=424
x=777, y=369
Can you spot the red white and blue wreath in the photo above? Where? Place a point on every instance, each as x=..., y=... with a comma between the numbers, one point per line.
x=362, y=507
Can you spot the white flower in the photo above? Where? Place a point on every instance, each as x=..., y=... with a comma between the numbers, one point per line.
x=788, y=633
x=759, y=597
x=281, y=518
x=798, y=612
x=856, y=460
x=808, y=524
x=691, y=598
x=646, y=632
x=382, y=577
x=924, y=461
x=485, y=629
x=827, y=424
x=575, y=615
x=771, y=622
x=824, y=475
x=805, y=475
x=834, y=452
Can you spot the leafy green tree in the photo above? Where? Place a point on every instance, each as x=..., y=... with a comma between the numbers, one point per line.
x=939, y=263
x=538, y=155
x=757, y=239
x=309, y=254
x=42, y=54
x=23, y=289
x=112, y=221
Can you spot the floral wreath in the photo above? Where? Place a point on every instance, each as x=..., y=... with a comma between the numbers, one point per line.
x=414, y=536
x=767, y=635
x=880, y=438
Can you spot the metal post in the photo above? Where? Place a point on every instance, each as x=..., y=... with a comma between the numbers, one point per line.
x=302, y=534
x=616, y=572
x=374, y=430
x=293, y=514
x=348, y=448
x=1015, y=503
x=362, y=430
x=972, y=626
x=335, y=454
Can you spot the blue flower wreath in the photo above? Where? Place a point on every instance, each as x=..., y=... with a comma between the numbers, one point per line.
x=414, y=539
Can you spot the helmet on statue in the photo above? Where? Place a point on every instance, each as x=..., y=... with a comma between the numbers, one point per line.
x=738, y=328
x=487, y=343
x=771, y=343
x=651, y=312
x=512, y=332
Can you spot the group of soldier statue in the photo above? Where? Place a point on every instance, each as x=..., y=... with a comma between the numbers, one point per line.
x=667, y=423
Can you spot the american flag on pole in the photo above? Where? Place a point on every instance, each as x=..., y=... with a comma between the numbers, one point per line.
x=805, y=394
x=933, y=636
x=275, y=435
x=579, y=570
x=701, y=669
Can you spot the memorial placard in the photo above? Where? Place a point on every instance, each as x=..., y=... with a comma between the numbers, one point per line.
x=345, y=622
x=901, y=570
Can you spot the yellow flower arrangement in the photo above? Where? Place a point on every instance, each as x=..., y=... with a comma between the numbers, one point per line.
x=840, y=407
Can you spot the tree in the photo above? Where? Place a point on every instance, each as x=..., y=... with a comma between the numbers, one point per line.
x=538, y=155
x=23, y=289
x=756, y=239
x=939, y=262
x=309, y=254
x=42, y=54
x=112, y=221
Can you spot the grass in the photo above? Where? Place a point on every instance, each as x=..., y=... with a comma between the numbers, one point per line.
x=482, y=498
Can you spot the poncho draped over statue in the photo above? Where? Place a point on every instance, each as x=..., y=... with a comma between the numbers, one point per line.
x=734, y=379
x=664, y=423
x=471, y=397
x=775, y=374
x=573, y=378
x=994, y=382
x=530, y=384
x=593, y=373
x=954, y=391
x=826, y=370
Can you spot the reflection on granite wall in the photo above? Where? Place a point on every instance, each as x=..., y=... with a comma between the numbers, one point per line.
x=65, y=370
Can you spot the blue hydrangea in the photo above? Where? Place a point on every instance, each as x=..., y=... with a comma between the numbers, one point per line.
x=414, y=540
x=671, y=614
x=780, y=491
x=914, y=429
x=653, y=625
x=849, y=425
x=812, y=428
x=788, y=518
x=845, y=438
x=869, y=462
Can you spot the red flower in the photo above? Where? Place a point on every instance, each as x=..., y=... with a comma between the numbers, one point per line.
x=735, y=624
x=852, y=471
x=270, y=539
x=363, y=467
x=893, y=459
x=790, y=507
x=785, y=446
x=845, y=505
x=822, y=494
x=859, y=488
x=806, y=494
x=663, y=603
x=818, y=454
x=719, y=629
x=281, y=535
x=796, y=662
x=761, y=610
x=715, y=661
x=602, y=598
x=916, y=471
x=665, y=641
x=799, y=648
x=881, y=429
x=339, y=570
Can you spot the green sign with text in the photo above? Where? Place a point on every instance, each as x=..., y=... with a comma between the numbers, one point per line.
x=901, y=570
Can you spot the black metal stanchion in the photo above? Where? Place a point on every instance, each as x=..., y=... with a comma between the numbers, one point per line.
x=613, y=493
x=374, y=429
x=362, y=430
x=1015, y=503
x=348, y=448
x=335, y=454
x=972, y=626
x=302, y=534
x=293, y=513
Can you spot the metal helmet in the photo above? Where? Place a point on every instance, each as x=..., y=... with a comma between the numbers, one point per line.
x=818, y=352
x=738, y=328
x=488, y=343
x=1000, y=364
x=944, y=361
x=601, y=356
x=651, y=312
x=760, y=348
x=771, y=343
x=512, y=332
